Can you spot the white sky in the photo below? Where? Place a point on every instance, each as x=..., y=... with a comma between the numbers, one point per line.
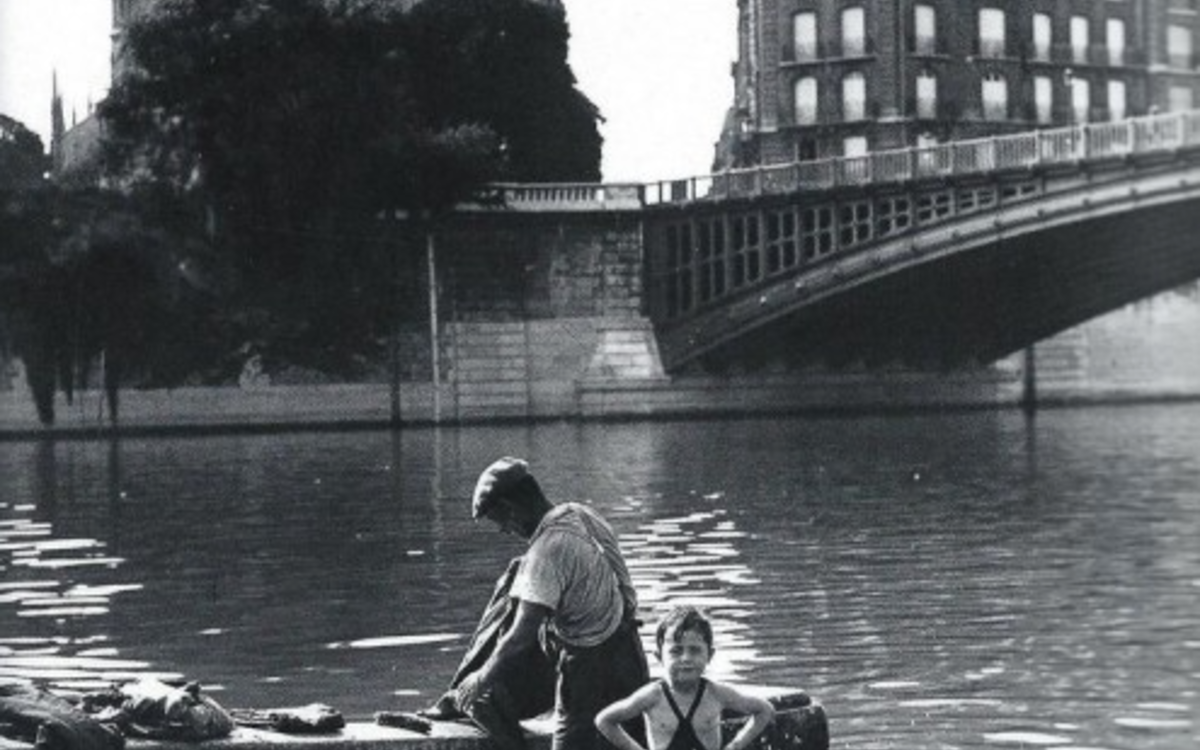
x=658, y=70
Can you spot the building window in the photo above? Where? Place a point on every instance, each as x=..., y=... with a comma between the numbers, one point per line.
x=1043, y=99
x=855, y=223
x=1116, y=100
x=806, y=101
x=854, y=146
x=927, y=96
x=929, y=159
x=1081, y=99
x=854, y=32
x=679, y=267
x=816, y=231
x=925, y=27
x=1179, y=46
x=854, y=97
x=1043, y=36
x=1181, y=98
x=804, y=36
x=991, y=32
x=745, y=251
x=1079, y=39
x=995, y=98
x=781, y=240
x=806, y=150
x=1115, y=41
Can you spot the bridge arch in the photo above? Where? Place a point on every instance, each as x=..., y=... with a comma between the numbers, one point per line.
x=931, y=272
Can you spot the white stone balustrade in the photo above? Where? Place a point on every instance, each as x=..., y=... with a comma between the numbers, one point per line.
x=1073, y=144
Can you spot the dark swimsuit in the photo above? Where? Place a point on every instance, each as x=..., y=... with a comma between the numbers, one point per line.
x=685, y=734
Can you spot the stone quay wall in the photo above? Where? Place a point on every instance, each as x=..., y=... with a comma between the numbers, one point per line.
x=540, y=316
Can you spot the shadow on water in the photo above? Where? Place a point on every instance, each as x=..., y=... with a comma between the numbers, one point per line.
x=958, y=580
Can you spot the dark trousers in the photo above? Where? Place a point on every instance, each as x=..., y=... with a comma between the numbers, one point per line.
x=577, y=682
x=589, y=679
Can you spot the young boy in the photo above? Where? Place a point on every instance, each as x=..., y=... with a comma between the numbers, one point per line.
x=683, y=712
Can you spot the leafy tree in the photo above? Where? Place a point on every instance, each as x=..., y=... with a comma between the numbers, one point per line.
x=88, y=278
x=504, y=62
x=294, y=121
x=23, y=160
x=297, y=122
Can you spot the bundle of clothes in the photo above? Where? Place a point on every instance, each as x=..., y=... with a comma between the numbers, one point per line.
x=147, y=708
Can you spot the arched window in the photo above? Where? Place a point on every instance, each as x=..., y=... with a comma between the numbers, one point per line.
x=806, y=101
x=1181, y=98
x=925, y=29
x=1043, y=36
x=854, y=32
x=1117, y=107
x=855, y=146
x=1081, y=99
x=995, y=98
x=1115, y=41
x=1179, y=46
x=1043, y=99
x=804, y=36
x=854, y=97
x=927, y=96
x=1080, y=39
x=991, y=32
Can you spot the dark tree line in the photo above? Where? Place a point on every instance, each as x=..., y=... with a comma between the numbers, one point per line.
x=23, y=161
x=95, y=288
x=255, y=147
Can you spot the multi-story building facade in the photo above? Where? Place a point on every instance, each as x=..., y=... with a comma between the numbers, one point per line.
x=823, y=78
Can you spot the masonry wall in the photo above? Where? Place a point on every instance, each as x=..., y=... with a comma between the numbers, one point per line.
x=1147, y=350
x=581, y=271
x=537, y=266
x=540, y=318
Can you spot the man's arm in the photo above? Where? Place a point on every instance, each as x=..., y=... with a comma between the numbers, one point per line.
x=521, y=635
x=760, y=711
x=609, y=720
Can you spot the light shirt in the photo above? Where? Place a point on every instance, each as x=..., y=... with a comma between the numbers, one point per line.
x=574, y=567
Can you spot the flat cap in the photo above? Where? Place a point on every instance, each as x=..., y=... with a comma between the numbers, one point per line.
x=497, y=480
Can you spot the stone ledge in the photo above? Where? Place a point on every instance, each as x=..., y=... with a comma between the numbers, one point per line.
x=800, y=724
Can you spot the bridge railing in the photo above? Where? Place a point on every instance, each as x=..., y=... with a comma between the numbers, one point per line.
x=569, y=196
x=1065, y=145
x=1071, y=144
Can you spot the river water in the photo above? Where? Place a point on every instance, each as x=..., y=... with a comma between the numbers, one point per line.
x=936, y=581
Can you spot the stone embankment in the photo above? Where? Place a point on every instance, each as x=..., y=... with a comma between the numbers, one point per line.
x=608, y=368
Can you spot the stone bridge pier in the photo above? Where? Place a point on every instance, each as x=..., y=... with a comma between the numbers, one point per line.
x=538, y=314
x=541, y=312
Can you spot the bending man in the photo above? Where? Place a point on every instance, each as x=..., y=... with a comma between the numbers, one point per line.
x=573, y=594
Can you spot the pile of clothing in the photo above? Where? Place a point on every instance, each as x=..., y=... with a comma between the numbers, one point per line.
x=32, y=715
x=146, y=708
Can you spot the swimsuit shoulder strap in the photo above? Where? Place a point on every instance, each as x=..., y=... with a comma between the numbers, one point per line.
x=696, y=701
x=684, y=719
x=666, y=690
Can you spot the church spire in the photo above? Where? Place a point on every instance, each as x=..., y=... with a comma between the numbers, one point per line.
x=57, y=125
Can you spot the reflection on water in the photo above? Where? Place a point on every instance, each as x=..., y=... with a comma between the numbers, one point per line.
x=692, y=559
x=46, y=579
x=967, y=580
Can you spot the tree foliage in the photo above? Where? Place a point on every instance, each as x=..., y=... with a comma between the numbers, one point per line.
x=297, y=122
x=504, y=62
x=89, y=278
x=23, y=160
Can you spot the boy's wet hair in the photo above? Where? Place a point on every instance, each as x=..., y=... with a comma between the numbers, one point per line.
x=680, y=620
